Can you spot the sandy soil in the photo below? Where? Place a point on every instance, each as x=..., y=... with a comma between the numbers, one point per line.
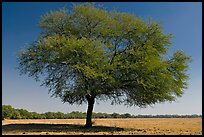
x=129, y=126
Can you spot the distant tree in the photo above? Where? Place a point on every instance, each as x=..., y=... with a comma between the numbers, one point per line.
x=126, y=115
x=7, y=112
x=24, y=113
x=59, y=115
x=16, y=115
x=49, y=115
x=100, y=115
x=89, y=53
x=115, y=115
x=68, y=116
x=76, y=114
x=42, y=116
x=34, y=115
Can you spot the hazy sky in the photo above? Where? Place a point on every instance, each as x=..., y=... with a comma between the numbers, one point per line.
x=19, y=24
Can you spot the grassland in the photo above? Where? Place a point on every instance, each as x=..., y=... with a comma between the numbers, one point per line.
x=129, y=126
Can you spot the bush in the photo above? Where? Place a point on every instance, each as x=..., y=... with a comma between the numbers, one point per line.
x=16, y=115
x=7, y=112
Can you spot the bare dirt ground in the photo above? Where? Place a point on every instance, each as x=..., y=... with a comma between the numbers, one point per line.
x=129, y=126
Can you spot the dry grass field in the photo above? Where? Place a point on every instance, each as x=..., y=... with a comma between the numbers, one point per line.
x=129, y=126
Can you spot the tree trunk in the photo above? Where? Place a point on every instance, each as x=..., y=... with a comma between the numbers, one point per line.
x=89, y=111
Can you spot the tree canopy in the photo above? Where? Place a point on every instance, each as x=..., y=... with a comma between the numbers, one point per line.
x=88, y=53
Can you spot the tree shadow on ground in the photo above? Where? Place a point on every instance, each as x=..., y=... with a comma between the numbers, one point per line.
x=56, y=128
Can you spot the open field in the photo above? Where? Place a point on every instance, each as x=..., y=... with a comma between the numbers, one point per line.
x=129, y=126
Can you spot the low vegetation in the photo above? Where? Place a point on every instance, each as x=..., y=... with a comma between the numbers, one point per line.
x=8, y=112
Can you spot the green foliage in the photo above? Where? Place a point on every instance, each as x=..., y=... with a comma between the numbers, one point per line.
x=126, y=115
x=115, y=115
x=49, y=115
x=24, y=114
x=106, y=55
x=12, y=113
x=16, y=115
x=7, y=111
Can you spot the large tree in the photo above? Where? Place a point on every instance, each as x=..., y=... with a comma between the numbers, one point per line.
x=87, y=53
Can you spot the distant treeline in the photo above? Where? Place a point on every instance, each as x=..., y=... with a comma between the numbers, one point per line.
x=11, y=113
